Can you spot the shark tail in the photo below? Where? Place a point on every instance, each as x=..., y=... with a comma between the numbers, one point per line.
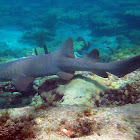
x=118, y=68
x=92, y=63
x=123, y=67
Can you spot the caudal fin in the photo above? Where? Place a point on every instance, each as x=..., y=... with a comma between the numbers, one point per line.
x=123, y=67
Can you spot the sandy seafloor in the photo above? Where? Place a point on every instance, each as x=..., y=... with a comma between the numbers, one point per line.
x=83, y=123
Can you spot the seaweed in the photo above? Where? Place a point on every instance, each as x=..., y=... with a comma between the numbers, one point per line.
x=86, y=45
x=45, y=49
x=36, y=53
x=83, y=125
x=40, y=37
x=18, y=128
x=125, y=95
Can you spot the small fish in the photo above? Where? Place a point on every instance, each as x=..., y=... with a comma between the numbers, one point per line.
x=63, y=64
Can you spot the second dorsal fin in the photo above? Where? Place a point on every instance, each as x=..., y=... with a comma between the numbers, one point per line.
x=93, y=56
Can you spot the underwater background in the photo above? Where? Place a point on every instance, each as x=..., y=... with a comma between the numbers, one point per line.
x=88, y=106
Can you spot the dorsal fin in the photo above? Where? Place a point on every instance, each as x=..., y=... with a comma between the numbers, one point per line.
x=93, y=56
x=66, y=49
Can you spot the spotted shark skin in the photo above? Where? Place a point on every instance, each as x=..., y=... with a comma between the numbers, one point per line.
x=62, y=63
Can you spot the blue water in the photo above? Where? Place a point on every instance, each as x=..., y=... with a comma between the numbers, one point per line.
x=106, y=24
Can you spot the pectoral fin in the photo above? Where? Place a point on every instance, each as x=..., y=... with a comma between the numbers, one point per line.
x=65, y=75
x=22, y=81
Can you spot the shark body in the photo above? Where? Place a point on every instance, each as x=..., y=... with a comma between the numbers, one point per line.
x=63, y=64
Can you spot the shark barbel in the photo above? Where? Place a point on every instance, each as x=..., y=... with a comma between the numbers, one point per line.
x=63, y=64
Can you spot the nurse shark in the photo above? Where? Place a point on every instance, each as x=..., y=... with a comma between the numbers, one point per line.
x=63, y=63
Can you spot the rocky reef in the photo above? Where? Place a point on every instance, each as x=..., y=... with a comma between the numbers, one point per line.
x=87, y=106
